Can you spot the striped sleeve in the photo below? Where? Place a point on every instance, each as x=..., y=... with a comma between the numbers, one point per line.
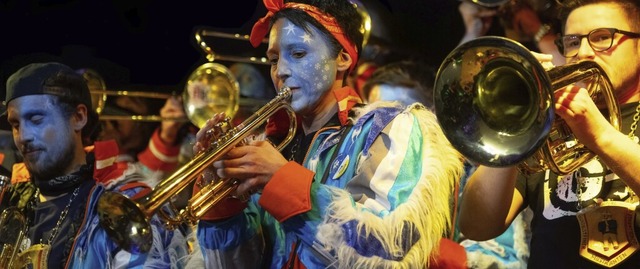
x=159, y=155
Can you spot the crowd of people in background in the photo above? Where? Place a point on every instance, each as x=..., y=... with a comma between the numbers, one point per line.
x=369, y=179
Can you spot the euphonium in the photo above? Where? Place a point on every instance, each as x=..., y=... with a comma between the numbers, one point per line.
x=5, y=183
x=127, y=221
x=494, y=102
x=14, y=253
x=13, y=228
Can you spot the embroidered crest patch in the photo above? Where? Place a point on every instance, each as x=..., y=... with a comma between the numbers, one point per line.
x=607, y=235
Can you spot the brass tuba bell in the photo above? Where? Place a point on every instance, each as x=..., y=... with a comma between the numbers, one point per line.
x=494, y=102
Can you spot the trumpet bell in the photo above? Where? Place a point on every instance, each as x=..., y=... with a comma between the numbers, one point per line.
x=119, y=213
x=210, y=89
x=491, y=101
x=494, y=102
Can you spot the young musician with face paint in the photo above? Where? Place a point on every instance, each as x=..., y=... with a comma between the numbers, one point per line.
x=359, y=186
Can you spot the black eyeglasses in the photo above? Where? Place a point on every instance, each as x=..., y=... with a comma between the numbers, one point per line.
x=600, y=39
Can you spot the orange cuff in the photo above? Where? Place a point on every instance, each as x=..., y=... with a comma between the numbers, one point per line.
x=288, y=192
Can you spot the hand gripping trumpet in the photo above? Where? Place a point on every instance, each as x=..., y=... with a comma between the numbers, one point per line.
x=127, y=221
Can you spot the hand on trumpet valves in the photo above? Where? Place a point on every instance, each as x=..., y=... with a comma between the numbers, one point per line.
x=575, y=106
x=252, y=164
x=207, y=177
x=208, y=133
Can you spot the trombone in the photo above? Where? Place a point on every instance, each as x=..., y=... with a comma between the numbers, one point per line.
x=151, y=118
x=210, y=89
x=212, y=56
x=127, y=221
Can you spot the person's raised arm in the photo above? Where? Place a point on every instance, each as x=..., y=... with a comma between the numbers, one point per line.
x=619, y=151
x=489, y=202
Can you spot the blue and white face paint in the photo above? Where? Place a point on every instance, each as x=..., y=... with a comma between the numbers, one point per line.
x=303, y=62
x=43, y=135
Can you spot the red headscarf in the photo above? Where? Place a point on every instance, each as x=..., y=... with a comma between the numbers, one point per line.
x=261, y=27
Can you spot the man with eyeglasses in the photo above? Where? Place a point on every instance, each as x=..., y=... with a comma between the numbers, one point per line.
x=567, y=208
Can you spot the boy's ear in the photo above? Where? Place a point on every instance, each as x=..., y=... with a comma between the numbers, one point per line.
x=80, y=117
x=344, y=61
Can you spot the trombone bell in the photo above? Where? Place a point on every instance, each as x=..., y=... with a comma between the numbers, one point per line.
x=210, y=89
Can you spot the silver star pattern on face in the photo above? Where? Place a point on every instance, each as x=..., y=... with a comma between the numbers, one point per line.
x=290, y=29
x=306, y=38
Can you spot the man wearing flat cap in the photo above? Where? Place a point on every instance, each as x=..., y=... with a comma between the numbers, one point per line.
x=53, y=123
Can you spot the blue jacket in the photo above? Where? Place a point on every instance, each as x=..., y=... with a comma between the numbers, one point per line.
x=92, y=247
x=376, y=191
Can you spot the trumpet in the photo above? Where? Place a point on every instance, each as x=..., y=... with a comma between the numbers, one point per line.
x=127, y=221
x=494, y=102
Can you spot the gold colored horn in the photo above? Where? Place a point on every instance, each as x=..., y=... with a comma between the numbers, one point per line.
x=13, y=228
x=127, y=221
x=213, y=56
x=488, y=3
x=494, y=102
x=210, y=89
x=96, y=85
x=365, y=28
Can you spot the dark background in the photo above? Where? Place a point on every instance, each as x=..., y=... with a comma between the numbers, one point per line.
x=150, y=45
